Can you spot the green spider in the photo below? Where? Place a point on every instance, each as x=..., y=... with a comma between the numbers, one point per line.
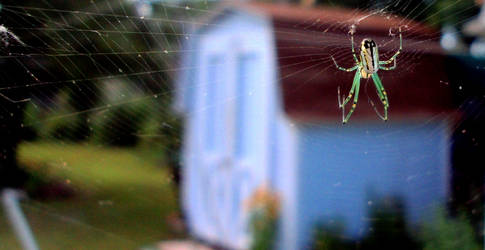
x=367, y=67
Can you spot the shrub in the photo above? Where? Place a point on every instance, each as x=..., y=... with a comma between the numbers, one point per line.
x=31, y=121
x=125, y=109
x=58, y=121
x=388, y=230
x=264, y=213
x=329, y=237
x=119, y=125
x=448, y=233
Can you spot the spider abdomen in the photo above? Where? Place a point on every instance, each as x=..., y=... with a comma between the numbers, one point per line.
x=369, y=56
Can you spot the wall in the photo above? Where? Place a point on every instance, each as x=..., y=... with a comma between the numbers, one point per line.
x=344, y=170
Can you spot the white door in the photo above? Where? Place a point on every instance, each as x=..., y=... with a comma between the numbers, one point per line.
x=216, y=171
x=231, y=135
x=233, y=165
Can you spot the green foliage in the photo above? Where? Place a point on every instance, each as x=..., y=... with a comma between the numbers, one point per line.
x=264, y=205
x=62, y=122
x=66, y=110
x=80, y=107
x=264, y=228
x=388, y=230
x=66, y=127
x=329, y=237
x=448, y=233
x=31, y=124
x=123, y=117
x=161, y=127
x=451, y=12
x=58, y=122
x=119, y=125
x=124, y=110
x=161, y=130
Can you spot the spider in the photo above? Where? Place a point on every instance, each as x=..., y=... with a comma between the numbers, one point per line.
x=366, y=68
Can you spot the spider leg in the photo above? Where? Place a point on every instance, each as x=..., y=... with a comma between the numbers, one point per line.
x=352, y=90
x=387, y=68
x=385, y=62
x=344, y=69
x=398, y=51
x=353, y=50
x=382, y=96
x=355, y=87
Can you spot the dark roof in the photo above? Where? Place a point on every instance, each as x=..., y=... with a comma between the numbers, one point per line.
x=306, y=38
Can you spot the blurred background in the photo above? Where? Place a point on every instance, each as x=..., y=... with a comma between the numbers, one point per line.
x=103, y=112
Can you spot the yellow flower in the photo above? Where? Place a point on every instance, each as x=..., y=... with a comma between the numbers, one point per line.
x=264, y=199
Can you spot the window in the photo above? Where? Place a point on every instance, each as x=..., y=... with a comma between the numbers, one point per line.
x=214, y=96
x=247, y=73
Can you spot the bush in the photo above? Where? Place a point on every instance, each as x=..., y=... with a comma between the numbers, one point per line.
x=329, y=237
x=126, y=108
x=119, y=125
x=60, y=121
x=448, y=233
x=31, y=121
x=264, y=213
x=162, y=131
x=388, y=230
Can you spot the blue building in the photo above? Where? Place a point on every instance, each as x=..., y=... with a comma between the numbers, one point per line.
x=258, y=92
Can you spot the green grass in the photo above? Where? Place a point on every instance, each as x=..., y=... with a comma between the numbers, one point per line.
x=123, y=198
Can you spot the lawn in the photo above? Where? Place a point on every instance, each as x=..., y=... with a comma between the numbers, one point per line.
x=121, y=198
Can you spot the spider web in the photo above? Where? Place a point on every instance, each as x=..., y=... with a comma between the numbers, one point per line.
x=466, y=192
x=76, y=72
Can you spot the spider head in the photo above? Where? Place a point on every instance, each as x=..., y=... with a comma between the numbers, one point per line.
x=367, y=43
x=369, y=56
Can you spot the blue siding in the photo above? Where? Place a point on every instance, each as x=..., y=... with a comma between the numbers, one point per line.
x=341, y=170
